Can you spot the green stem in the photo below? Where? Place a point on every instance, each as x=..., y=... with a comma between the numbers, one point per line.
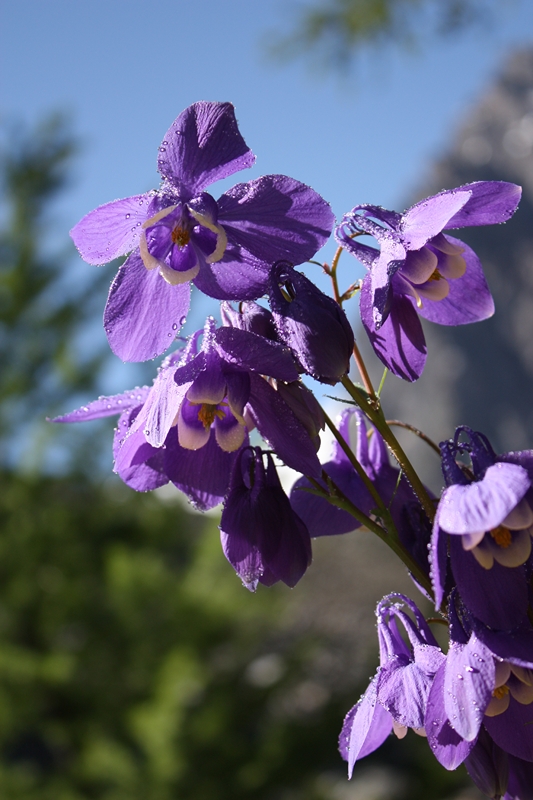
x=357, y=466
x=378, y=420
x=338, y=499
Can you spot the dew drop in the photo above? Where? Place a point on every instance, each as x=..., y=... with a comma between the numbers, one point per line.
x=175, y=326
x=183, y=320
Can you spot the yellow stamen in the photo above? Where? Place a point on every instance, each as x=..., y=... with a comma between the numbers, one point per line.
x=502, y=536
x=207, y=413
x=500, y=692
x=180, y=236
x=435, y=276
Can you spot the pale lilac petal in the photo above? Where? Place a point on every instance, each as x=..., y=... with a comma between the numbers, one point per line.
x=419, y=265
x=399, y=343
x=203, y=145
x=192, y=433
x=365, y=728
x=111, y=230
x=146, y=470
x=490, y=202
x=230, y=433
x=468, y=684
x=159, y=411
x=143, y=313
x=483, y=505
x=276, y=218
x=447, y=745
x=429, y=217
x=469, y=299
x=390, y=260
x=107, y=406
x=403, y=689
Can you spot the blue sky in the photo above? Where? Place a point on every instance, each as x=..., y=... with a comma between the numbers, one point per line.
x=124, y=69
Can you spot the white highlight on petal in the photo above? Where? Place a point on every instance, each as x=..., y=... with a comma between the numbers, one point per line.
x=498, y=705
x=517, y=553
x=192, y=437
x=231, y=438
x=520, y=517
x=399, y=730
x=174, y=277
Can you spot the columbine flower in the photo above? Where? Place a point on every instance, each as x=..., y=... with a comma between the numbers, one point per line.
x=312, y=324
x=486, y=523
x=180, y=233
x=420, y=269
x=397, y=696
x=473, y=688
x=262, y=537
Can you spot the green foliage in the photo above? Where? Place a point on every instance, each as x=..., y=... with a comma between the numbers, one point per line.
x=125, y=640
x=43, y=309
x=338, y=29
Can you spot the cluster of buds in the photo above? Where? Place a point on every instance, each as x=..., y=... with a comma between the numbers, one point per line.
x=233, y=384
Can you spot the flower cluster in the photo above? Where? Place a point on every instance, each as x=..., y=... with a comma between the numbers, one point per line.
x=231, y=404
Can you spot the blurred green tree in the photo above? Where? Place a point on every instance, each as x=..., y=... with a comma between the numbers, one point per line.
x=337, y=30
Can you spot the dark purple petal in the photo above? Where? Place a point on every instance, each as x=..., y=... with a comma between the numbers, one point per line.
x=483, y=505
x=490, y=202
x=513, y=730
x=469, y=299
x=279, y=426
x=107, y=406
x=210, y=385
x=312, y=324
x=399, y=343
x=143, y=313
x=365, y=728
x=520, y=786
x=468, y=685
x=111, y=230
x=250, y=317
x=203, y=475
x=252, y=352
x=497, y=596
x=203, y=145
x=323, y=519
x=447, y=745
x=237, y=276
x=430, y=216
x=276, y=218
x=515, y=646
x=487, y=765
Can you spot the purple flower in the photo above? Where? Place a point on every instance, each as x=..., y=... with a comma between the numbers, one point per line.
x=262, y=537
x=179, y=233
x=189, y=426
x=485, y=524
x=312, y=324
x=397, y=696
x=420, y=269
x=473, y=688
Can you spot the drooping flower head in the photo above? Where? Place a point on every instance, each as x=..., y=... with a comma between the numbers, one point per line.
x=485, y=521
x=420, y=270
x=396, y=698
x=262, y=537
x=180, y=233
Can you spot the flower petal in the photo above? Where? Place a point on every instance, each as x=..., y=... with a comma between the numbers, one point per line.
x=399, y=343
x=111, y=230
x=447, y=745
x=490, y=202
x=430, y=216
x=143, y=313
x=469, y=298
x=203, y=145
x=484, y=504
x=107, y=406
x=276, y=218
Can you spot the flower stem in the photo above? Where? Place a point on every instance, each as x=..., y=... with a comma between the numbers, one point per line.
x=375, y=415
x=421, y=435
